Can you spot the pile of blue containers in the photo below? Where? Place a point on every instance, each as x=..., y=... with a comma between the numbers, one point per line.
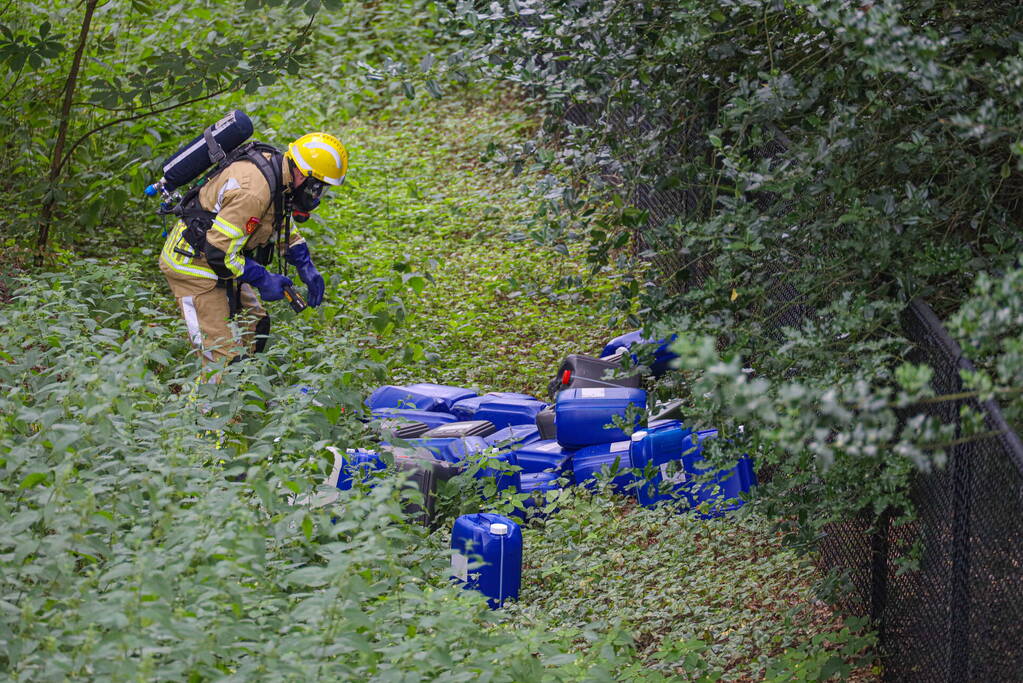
x=598, y=426
x=595, y=429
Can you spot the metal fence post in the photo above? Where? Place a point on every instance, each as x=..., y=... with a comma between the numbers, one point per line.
x=959, y=598
x=879, y=573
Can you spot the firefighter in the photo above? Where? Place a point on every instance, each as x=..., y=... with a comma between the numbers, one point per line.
x=217, y=256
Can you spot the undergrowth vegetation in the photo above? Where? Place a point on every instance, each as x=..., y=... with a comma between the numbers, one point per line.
x=422, y=208
x=157, y=528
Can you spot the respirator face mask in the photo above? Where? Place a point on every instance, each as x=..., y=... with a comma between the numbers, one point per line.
x=307, y=197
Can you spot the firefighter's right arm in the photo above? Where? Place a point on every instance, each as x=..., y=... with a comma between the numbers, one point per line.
x=227, y=237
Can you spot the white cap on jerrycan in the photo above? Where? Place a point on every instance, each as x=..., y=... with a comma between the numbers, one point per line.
x=499, y=529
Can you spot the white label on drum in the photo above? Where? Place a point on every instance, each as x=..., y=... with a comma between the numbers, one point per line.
x=549, y=447
x=591, y=392
x=673, y=472
x=619, y=446
x=460, y=566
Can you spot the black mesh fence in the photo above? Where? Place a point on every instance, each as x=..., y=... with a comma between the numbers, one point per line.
x=955, y=611
x=945, y=592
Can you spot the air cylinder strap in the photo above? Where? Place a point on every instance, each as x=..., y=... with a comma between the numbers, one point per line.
x=213, y=147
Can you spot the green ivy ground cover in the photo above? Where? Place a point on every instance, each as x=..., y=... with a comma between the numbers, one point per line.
x=151, y=534
x=492, y=313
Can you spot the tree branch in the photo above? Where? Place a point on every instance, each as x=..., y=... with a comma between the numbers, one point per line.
x=145, y=114
x=160, y=110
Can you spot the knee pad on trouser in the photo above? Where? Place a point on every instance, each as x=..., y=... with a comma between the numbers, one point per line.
x=262, y=331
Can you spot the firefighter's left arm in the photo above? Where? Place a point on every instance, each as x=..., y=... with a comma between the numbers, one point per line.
x=297, y=255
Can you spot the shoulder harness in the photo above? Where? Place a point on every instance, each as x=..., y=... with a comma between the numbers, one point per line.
x=198, y=220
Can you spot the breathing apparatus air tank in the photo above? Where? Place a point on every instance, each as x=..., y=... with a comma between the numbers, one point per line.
x=192, y=159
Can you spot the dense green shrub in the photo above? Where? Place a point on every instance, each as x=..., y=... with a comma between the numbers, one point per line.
x=153, y=534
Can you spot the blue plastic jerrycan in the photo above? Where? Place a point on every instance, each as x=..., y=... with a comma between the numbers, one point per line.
x=446, y=395
x=723, y=493
x=453, y=449
x=661, y=454
x=675, y=456
x=354, y=464
x=422, y=396
x=393, y=396
x=544, y=456
x=537, y=485
x=496, y=541
x=662, y=355
x=430, y=418
x=515, y=435
x=505, y=412
x=496, y=465
x=588, y=462
x=585, y=417
x=466, y=408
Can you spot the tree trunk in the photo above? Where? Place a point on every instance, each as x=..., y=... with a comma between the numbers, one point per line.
x=57, y=158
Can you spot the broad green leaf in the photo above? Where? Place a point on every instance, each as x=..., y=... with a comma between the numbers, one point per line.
x=33, y=480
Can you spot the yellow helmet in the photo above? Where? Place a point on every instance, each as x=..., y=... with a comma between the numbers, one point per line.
x=320, y=156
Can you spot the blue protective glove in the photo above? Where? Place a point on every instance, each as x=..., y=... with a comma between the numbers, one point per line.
x=298, y=256
x=270, y=285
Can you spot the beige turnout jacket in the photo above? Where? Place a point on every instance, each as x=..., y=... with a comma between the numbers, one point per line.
x=241, y=199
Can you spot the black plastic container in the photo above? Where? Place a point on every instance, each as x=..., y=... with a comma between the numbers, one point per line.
x=426, y=474
x=545, y=423
x=403, y=429
x=460, y=429
x=579, y=371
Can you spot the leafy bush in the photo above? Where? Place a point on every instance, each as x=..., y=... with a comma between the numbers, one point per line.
x=155, y=529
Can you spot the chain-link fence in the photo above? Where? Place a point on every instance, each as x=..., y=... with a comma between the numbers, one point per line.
x=944, y=592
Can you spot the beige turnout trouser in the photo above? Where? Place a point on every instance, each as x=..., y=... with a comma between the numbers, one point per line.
x=214, y=335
